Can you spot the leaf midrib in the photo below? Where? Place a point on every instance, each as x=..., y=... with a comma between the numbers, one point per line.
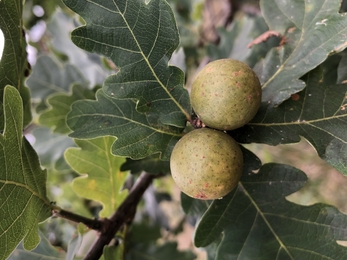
x=266, y=221
x=27, y=188
x=305, y=123
x=130, y=120
x=148, y=63
x=280, y=69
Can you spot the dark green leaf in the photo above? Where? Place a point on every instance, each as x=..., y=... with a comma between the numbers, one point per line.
x=139, y=38
x=14, y=66
x=312, y=30
x=151, y=164
x=144, y=233
x=192, y=206
x=342, y=69
x=113, y=252
x=212, y=249
x=139, y=135
x=317, y=113
x=22, y=182
x=234, y=40
x=259, y=223
x=143, y=245
x=184, y=11
x=59, y=106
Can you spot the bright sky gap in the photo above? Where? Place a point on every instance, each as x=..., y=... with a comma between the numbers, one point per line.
x=2, y=43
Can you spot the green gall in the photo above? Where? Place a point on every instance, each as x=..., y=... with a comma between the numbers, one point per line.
x=206, y=164
x=226, y=94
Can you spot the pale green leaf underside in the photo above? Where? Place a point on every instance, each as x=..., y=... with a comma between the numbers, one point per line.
x=259, y=223
x=22, y=182
x=44, y=251
x=101, y=178
x=312, y=30
x=51, y=147
x=60, y=26
x=59, y=106
x=50, y=76
x=139, y=38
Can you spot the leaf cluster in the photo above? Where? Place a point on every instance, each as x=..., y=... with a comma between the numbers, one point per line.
x=113, y=99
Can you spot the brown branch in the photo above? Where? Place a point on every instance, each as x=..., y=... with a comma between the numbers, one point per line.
x=123, y=213
x=264, y=37
x=91, y=223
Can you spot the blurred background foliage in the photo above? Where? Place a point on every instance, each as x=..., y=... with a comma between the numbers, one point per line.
x=209, y=30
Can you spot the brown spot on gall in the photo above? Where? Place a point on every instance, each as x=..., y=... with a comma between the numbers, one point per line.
x=201, y=195
x=295, y=97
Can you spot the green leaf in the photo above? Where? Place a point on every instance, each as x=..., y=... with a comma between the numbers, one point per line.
x=192, y=206
x=22, y=182
x=198, y=207
x=101, y=178
x=139, y=37
x=51, y=76
x=160, y=252
x=342, y=69
x=51, y=147
x=189, y=29
x=142, y=245
x=44, y=250
x=312, y=30
x=259, y=223
x=59, y=106
x=151, y=164
x=74, y=245
x=113, y=252
x=318, y=113
x=234, y=40
x=89, y=64
x=13, y=63
x=138, y=135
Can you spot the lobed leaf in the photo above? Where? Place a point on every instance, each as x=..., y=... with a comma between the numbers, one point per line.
x=22, y=182
x=312, y=31
x=50, y=148
x=151, y=164
x=59, y=106
x=14, y=66
x=101, y=178
x=89, y=64
x=51, y=76
x=44, y=250
x=143, y=244
x=317, y=113
x=259, y=223
x=113, y=252
x=139, y=37
x=235, y=39
x=138, y=135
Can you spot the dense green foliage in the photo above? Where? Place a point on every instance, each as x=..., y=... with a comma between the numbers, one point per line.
x=107, y=99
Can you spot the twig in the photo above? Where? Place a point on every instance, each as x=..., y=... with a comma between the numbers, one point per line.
x=91, y=223
x=125, y=210
x=264, y=37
